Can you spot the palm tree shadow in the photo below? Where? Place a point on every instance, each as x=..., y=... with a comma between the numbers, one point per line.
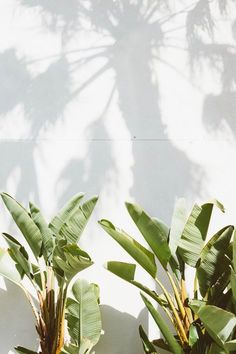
x=43, y=99
x=94, y=165
x=218, y=109
x=63, y=17
x=138, y=33
x=137, y=37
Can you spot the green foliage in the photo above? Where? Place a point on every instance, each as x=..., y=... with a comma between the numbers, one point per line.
x=55, y=260
x=83, y=317
x=205, y=321
x=22, y=350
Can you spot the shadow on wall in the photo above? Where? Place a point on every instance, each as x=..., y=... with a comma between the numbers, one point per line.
x=218, y=109
x=95, y=169
x=15, y=330
x=62, y=18
x=16, y=321
x=123, y=329
x=138, y=32
x=43, y=100
x=138, y=38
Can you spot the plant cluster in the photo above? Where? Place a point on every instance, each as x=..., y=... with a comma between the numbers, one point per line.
x=205, y=322
x=52, y=260
x=67, y=311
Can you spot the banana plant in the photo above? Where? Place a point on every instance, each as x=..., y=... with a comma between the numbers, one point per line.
x=50, y=261
x=198, y=323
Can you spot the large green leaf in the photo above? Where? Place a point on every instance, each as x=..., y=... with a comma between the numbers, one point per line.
x=233, y=270
x=215, y=349
x=70, y=349
x=230, y=345
x=73, y=228
x=196, y=304
x=234, y=251
x=71, y=221
x=178, y=222
x=126, y=271
x=85, y=348
x=46, y=232
x=164, y=328
x=213, y=259
x=65, y=213
x=233, y=284
x=218, y=323
x=69, y=259
x=161, y=344
x=7, y=267
x=22, y=350
x=83, y=314
x=195, y=232
x=193, y=336
x=154, y=232
x=19, y=255
x=147, y=345
x=24, y=223
x=142, y=255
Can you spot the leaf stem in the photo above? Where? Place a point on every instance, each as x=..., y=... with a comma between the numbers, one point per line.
x=183, y=335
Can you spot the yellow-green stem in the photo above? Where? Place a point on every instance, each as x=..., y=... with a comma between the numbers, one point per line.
x=195, y=290
x=177, y=297
x=175, y=313
x=184, y=294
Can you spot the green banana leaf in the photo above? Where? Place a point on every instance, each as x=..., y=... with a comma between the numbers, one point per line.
x=230, y=345
x=7, y=267
x=161, y=344
x=164, y=328
x=69, y=259
x=178, y=222
x=213, y=260
x=215, y=349
x=65, y=213
x=195, y=232
x=193, y=336
x=126, y=271
x=83, y=315
x=73, y=228
x=218, y=323
x=233, y=284
x=196, y=304
x=142, y=255
x=24, y=223
x=74, y=349
x=75, y=219
x=70, y=349
x=147, y=345
x=234, y=251
x=22, y=350
x=19, y=255
x=153, y=230
x=46, y=232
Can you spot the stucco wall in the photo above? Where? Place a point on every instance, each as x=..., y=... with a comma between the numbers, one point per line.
x=126, y=99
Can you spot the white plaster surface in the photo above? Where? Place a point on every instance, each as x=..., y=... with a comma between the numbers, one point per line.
x=131, y=100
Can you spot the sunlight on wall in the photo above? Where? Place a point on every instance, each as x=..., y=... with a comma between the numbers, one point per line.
x=126, y=99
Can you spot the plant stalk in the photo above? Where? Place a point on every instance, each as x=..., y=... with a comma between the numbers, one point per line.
x=183, y=335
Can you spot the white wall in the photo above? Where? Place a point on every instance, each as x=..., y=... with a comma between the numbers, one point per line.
x=125, y=99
